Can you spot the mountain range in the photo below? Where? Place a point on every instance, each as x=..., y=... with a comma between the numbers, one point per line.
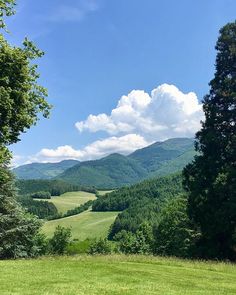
x=116, y=170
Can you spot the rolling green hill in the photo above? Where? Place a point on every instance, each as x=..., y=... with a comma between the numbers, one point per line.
x=85, y=225
x=43, y=170
x=71, y=200
x=116, y=274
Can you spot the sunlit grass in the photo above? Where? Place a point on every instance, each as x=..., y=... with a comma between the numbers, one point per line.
x=71, y=200
x=85, y=225
x=129, y=275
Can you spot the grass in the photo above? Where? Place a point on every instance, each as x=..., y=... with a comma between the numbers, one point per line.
x=71, y=200
x=85, y=225
x=102, y=193
x=114, y=275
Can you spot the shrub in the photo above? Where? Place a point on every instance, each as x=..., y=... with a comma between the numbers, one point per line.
x=60, y=240
x=101, y=246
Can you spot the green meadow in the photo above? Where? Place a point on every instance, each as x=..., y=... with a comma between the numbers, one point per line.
x=71, y=200
x=85, y=225
x=114, y=275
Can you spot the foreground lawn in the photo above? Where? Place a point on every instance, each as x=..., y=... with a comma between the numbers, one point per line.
x=85, y=225
x=71, y=200
x=136, y=275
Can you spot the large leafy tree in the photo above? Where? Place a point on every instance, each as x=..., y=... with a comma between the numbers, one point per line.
x=21, y=99
x=211, y=178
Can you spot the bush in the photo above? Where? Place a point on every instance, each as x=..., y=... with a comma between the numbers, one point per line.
x=101, y=246
x=139, y=243
x=78, y=247
x=60, y=240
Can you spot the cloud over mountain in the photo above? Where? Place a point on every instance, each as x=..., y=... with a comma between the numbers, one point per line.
x=138, y=120
x=166, y=112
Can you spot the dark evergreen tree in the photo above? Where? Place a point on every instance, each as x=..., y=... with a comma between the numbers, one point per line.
x=211, y=178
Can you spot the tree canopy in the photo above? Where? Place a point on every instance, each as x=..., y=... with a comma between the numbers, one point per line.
x=211, y=178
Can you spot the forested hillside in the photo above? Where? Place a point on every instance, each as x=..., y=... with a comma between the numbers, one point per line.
x=161, y=158
x=139, y=203
x=54, y=187
x=110, y=172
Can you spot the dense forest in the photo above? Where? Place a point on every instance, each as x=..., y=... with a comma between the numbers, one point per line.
x=42, y=209
x=54, y=187
x=139, y=203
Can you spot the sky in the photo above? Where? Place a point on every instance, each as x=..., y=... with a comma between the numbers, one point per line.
x=121, y=74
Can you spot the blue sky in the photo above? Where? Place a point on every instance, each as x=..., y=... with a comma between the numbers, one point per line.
x=121, y=74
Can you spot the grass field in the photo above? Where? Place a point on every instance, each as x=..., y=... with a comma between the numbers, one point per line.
x=85, y=225
x=102, y=193
x=114, y=275
x=71, y=200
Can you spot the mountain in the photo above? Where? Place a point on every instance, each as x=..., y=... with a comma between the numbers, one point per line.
x=112, y=171
x=43, y=170
x=115, y=170
x=162, y=158
x=158, y=159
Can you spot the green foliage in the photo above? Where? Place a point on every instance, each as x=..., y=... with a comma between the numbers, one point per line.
x=139, y=203
x=41, y=195
x=78, y=247
x=109, y=172
x=21, y=98
x=42, y=209
x=100, y=246
x=6, y=9
x=60, y=240
x=211, y=178
x=140, y=242
x=55, y=187
x=173, y=234
x=116, y=170
x=158, y=188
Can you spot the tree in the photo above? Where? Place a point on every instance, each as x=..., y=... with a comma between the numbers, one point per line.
x=173, y=235
x=60, y=240
x=100, y=246
x=211, y=178
x=6, y=9
x=21, y=99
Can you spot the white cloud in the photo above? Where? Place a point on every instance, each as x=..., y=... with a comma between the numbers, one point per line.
x=138, y=120
x=166, y=113
x=98, y=149
x=72, y=11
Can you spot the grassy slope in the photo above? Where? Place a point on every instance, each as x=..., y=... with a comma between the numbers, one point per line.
x=85, y=225
x=114, y=275
x=71, y=200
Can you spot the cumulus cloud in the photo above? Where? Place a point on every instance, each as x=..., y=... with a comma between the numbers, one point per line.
x=166, y=112
x=99, y=148
x=138, y=120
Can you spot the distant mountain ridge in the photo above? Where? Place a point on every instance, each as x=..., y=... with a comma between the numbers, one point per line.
x=43, y=170
x=116, y=170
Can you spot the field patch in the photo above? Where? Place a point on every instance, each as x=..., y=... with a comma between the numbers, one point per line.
x=85, y=225
x=71, y=200
x=114, y=275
